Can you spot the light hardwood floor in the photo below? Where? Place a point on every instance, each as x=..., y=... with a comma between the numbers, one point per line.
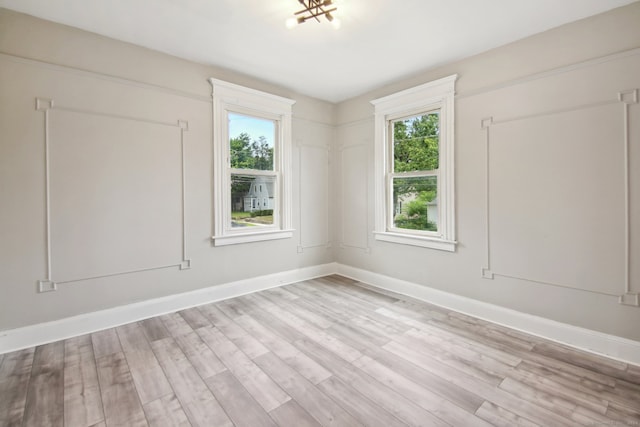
x=328, y=352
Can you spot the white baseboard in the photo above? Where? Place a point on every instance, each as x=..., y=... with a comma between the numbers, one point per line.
x=599, y=343
x=584, y=339
x=33, y=335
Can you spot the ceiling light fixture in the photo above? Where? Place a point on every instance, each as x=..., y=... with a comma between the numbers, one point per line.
x=314, y=9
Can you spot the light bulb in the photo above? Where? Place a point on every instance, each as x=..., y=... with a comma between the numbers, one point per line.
x=291, y=22
x=336, y=23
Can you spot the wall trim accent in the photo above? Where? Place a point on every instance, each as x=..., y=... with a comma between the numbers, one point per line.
x=45, y=105
x=43, y=333
x=48, y=284
x=342, y=244
x=327, y=241
x=552, y=72
x=312, y=121
x=625, y=98
x=185, y=264
x=364, y=121
x=600, y=343
x=520, y=80
x=103, y=76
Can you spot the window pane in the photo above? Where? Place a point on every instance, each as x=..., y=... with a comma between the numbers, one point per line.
x=252, y=200
x=251, y=142
x=415, y=203
x=415, y=143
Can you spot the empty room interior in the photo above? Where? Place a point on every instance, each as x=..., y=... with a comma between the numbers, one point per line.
x=319, y=213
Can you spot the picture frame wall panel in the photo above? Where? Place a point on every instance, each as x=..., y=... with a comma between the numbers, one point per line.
x=314, y=196
x=103, y=170
x=116, y=194
x=561, y=154
x=355, y=196
x=541, y=209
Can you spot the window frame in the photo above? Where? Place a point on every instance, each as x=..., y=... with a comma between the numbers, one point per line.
x=392, y=174
x=231, y=98
x=438, y=96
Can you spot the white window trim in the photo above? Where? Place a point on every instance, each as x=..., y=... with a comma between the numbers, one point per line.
x=235, y=98
x=436, y=94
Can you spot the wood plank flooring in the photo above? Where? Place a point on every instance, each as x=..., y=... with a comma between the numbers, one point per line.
x=324, y=352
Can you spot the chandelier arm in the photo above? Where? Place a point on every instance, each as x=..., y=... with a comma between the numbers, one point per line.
x=315, y=9
x=315, y=14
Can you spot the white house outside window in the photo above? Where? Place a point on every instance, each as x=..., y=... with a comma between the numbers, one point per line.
x=414, y=166
x=252, y=165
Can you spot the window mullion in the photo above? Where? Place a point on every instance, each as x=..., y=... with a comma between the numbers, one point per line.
x=415, y=174
x=253, y=172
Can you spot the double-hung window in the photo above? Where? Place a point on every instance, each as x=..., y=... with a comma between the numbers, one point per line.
x=414, y=166
x=252, y=165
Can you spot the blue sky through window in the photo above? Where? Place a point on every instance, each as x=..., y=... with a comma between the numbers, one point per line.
x=255, y=127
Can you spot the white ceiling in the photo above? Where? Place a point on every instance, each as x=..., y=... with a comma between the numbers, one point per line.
x=380, y=41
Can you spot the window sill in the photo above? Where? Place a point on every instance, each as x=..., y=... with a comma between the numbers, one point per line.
x=234, y=239
x=424, y=242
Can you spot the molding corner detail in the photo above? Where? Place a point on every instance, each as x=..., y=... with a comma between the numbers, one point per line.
x=628, y=96
x=44, y=104
x=485, y=123
x=47, y=286
x=630, y=299
x=185, y=265
x=487, y=274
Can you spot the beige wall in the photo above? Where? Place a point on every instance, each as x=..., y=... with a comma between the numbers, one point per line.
x=555, y=196
x=115, y=175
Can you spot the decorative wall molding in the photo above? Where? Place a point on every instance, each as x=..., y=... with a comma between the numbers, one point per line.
x=43, y=333
x=552, y=72
x=486, y=269
x=327, y=241
x=311, y=121
x=626, y=98
x=46, y=105
x=360, y=122
x=612, y=346
x=185, y=264
x=629, y=298
x=103, y=76
x=47, y=284
x=343, y=244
